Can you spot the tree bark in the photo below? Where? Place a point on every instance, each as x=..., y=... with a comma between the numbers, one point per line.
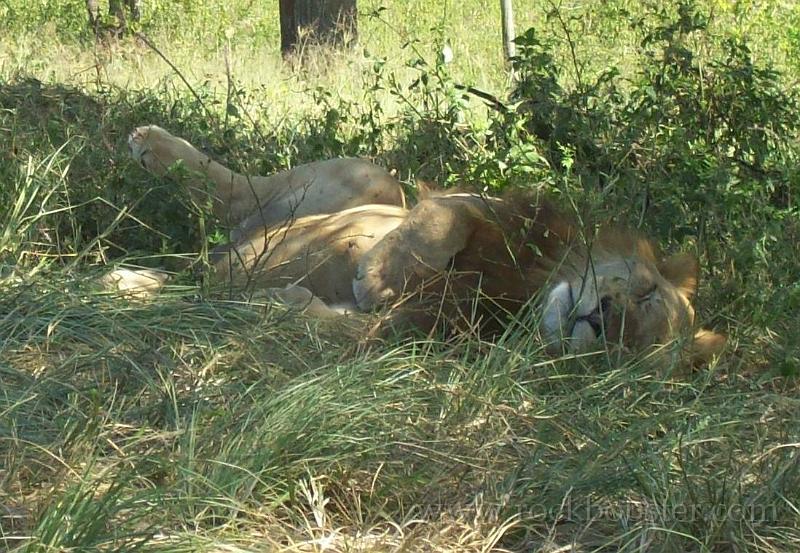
x=507, y=14
x=329, y=22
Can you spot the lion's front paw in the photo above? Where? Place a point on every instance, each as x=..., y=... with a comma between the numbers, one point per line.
x=385, y=272
x=137, y=142
x=372, y=287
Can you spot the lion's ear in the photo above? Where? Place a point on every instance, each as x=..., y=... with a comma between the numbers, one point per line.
x=681, y=270
x=425, y=189
x=706, y=345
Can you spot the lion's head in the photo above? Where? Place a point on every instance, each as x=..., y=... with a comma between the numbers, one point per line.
x=622, y=292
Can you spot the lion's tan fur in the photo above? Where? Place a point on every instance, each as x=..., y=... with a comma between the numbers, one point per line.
x=339, y=230
x=318, y=252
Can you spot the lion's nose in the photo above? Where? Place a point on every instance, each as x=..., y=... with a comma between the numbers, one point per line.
x=598, y=318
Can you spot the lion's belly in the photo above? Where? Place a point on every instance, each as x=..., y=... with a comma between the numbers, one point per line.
x=320, y=253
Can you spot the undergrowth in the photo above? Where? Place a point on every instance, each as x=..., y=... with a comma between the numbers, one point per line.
x=191, y=423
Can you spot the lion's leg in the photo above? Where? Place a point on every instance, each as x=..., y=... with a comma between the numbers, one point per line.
x=157, y=150
x=314, y=188
x=423, y=245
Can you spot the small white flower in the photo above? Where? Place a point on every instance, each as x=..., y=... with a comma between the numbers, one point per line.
x=447, y=53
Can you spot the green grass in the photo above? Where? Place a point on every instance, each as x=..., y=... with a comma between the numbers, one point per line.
x=198, y=424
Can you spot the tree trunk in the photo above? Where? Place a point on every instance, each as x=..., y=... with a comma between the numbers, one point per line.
x=330, y=22
x=507, y=14
x=94, y=16
x=117, y=9
x=120, y=12
x=123, y=11
x=135, y=6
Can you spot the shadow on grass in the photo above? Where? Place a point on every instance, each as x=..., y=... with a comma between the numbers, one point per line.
x=86, y=137
x=93, y=178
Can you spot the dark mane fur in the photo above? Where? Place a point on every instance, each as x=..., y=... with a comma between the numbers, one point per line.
x=518, y=241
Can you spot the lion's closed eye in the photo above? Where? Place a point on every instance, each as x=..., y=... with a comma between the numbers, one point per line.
x=647, y=295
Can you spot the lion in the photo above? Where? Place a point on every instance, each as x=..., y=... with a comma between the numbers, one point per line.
x=336, y=236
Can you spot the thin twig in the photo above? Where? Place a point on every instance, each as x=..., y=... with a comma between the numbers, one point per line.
x=141, y=36
x=557, y=11
x=229, y=81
